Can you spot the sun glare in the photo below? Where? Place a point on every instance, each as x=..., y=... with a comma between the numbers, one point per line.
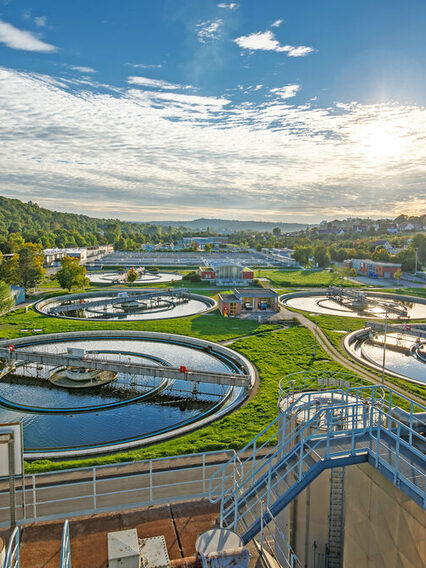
x=380, y=142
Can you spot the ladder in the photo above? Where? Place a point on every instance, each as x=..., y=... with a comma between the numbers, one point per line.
x=336, y=518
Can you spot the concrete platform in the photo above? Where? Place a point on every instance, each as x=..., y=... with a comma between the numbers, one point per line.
x=181, y=524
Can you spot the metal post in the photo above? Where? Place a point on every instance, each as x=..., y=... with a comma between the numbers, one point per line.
x=12, y=488
x=94, y=487
x=261, y=528
x=384, y=347
x=34, y=498
x=204, y=472
x=254, y=462
x=150, y=480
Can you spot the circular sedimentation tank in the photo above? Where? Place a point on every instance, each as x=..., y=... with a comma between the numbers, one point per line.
x=358, y=304
x=115, y=277
x=128, y=411
x=405, y=356
x=126, y=304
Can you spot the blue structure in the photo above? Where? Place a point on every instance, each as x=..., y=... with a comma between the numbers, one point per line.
x=324, y=423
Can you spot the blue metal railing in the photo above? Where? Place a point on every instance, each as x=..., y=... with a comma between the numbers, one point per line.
x=12, y=554
x=65, y=548
x=318, y=429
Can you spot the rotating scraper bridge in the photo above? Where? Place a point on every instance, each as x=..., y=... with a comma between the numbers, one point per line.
x=361, y=300
x=178, y=295
x=71, y=360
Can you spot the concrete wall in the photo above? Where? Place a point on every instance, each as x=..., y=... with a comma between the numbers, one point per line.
x=305, y=520
x=383, y=527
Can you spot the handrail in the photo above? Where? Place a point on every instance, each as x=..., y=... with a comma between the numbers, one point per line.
x=65, y=547
x=311, y=421
x=12, y=554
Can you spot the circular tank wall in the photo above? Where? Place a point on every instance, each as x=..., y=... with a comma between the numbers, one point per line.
x=127, y=412
x=126, y=304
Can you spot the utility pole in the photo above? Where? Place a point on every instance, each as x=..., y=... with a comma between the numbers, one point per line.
x=415, y=269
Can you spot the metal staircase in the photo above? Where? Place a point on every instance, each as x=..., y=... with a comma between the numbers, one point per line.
x=336, y=519
x=316, y=430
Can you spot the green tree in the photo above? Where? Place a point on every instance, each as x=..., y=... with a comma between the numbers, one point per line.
x=71, y=274
x=208, y=247
x=112, y=232
x=407, y=258
x=321, y=256
x=6, y=298
x=419, y=243
x=131, y=276
x=302, y=254
x=9, y=270
x=381, y=255
x=30, y=264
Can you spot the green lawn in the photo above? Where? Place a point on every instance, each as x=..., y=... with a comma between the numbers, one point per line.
x=275, y=355
x=211, y=326
x=282, y=278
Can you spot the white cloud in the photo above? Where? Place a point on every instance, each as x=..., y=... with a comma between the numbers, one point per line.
x=286, y=92
x=154, y=83
x=83, y=69
x=144, y=154
x=230, y=6
x=208, y=30
x=299, y=51
x=145, y=65
x=266, y=41
x=277, y=23
x=21, y=39
x=40, y=21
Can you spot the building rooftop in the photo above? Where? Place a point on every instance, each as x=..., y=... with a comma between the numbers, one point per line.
x=257, y=293
x=180, y=523
x=229, y=298
x=369, y=261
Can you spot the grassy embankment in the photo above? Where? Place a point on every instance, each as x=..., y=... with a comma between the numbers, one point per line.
x=332, y=326
x=283, y=278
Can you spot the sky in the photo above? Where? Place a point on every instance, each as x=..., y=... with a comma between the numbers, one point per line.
x=274, y=110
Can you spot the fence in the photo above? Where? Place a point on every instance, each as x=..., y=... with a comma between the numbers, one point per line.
x=83, y=491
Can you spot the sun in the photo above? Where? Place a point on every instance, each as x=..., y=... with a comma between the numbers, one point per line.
x=380, y=142
x=384, y=144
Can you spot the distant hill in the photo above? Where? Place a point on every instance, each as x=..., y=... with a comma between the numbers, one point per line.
x=28, y=221
x=232, y=226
